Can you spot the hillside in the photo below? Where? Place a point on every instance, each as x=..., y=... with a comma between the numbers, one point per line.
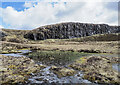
x=105, y=40
x=70, y=30
x=98, y=37
x=11, y=35
x=78, y=32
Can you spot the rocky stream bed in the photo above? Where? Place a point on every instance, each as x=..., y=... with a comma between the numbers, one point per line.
x=72, y=68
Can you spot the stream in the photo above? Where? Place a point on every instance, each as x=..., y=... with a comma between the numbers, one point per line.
x=18, y=54
x=46, y=76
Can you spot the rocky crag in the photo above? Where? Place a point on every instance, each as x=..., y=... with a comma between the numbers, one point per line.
x=70, y=30
x=2, y=34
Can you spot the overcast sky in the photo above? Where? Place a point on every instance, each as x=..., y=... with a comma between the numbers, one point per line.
x=30, y=15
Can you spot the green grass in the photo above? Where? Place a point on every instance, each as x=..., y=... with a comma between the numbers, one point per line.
x=56, y=57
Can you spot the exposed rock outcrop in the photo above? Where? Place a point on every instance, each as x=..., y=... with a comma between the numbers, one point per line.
x=2, y=34
x=70, y=30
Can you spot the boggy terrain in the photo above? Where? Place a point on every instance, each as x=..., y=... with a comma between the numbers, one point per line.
x=61, y=42
x=17, y=69
x=98, y=69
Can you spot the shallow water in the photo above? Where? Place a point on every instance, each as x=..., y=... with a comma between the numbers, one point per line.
x=105, y=54
x=116, y=66
x=12, y=54
x=57, y=58
x=59, y=61
x=25, y=51
x=47, y=76
x=17, y=54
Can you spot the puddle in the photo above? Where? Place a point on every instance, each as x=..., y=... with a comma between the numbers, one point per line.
x=116, y=66
x=58, y=58
x=17, y=54
x=12, y=54
x=105, y=54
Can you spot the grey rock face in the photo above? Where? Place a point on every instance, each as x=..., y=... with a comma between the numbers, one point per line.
x=70, y=30
x=2, y=34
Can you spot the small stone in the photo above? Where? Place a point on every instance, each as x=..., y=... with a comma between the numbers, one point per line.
x=39, y=79
x=2, y=69
x=42, y=66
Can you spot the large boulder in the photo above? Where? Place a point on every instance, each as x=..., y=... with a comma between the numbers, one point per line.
x=2, y=34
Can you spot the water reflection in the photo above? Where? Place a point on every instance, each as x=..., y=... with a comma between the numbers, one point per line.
x=57, y=58
x=17, y=54
x=116, y=66
x=12, y=54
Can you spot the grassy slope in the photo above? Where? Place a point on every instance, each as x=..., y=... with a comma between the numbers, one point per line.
x=15, y=35
x=104, y=42
x=98, y=37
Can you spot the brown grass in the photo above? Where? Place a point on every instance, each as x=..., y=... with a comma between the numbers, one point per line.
x=98, y=37
x=102, y=47
x=102, y=43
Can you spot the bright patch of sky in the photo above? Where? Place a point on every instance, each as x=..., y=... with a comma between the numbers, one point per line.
x=16, y=5
x=30, y=15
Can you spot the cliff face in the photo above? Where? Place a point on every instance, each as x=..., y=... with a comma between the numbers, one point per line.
x=70, y=30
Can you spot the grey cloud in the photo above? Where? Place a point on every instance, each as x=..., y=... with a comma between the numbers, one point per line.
x=112, y=5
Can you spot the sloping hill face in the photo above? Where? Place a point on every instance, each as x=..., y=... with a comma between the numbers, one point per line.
x=70, y=30
x=12, y=35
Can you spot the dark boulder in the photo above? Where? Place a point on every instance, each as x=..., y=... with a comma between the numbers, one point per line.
x=2, y=34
